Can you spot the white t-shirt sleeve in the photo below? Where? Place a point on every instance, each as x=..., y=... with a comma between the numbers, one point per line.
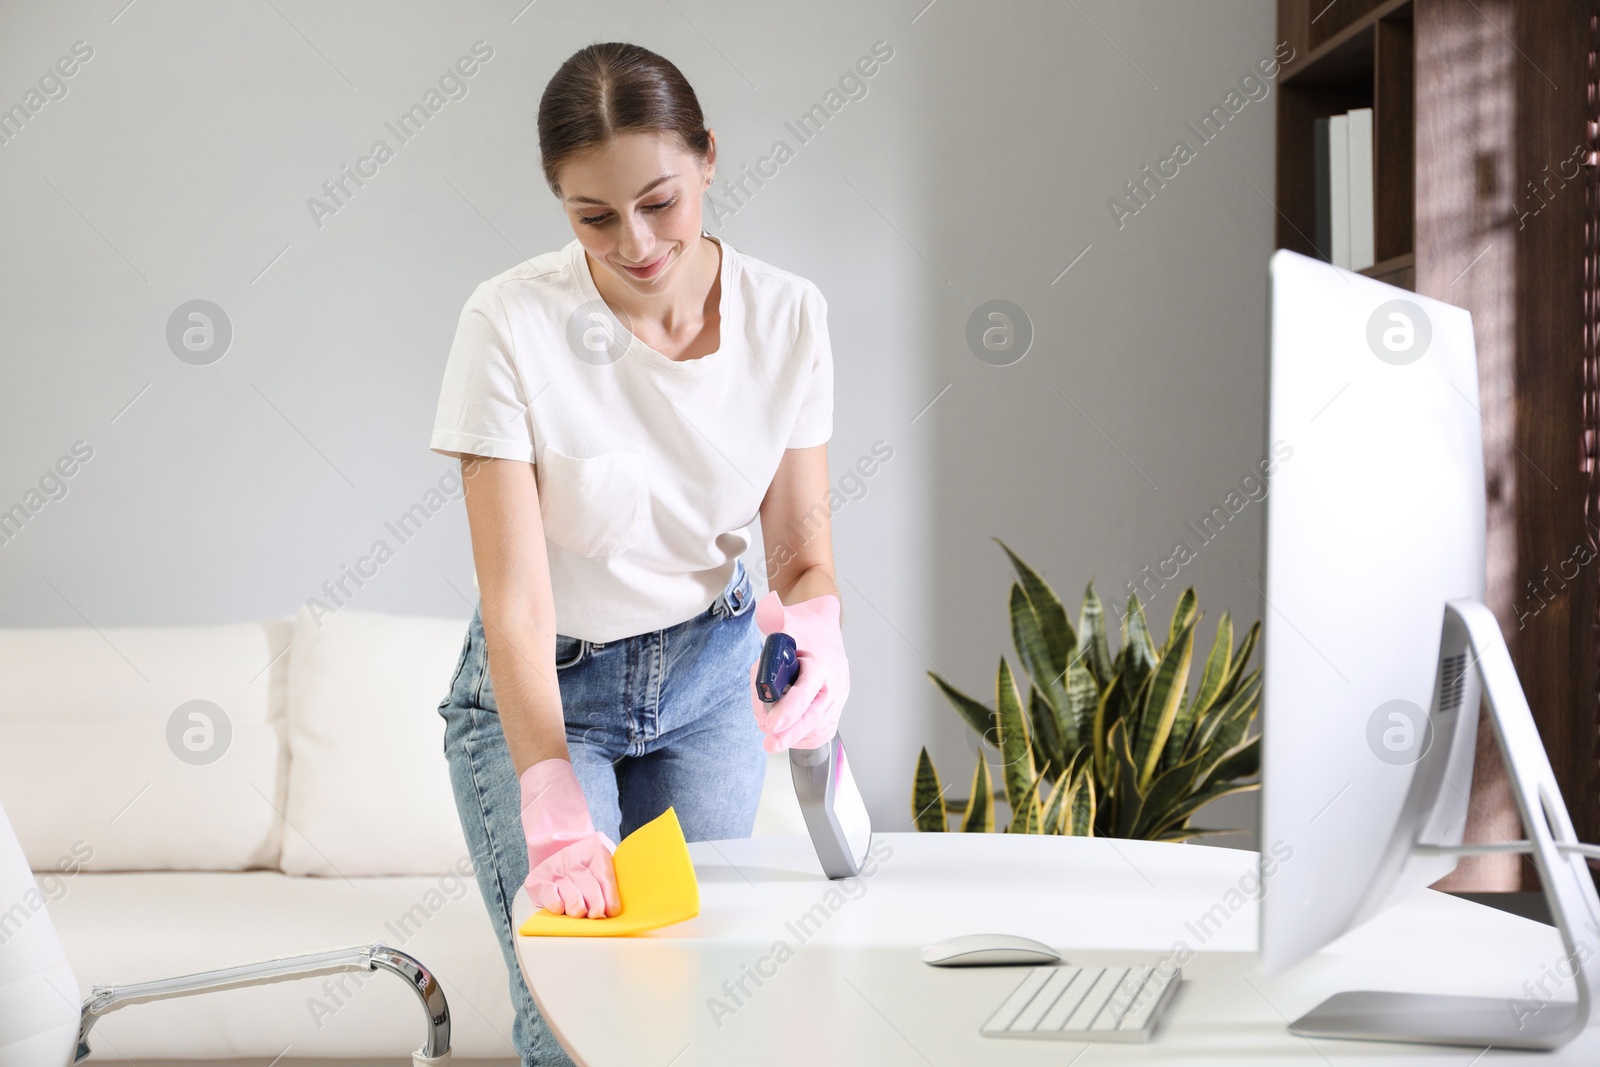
x=483, y=407
x=814, y=424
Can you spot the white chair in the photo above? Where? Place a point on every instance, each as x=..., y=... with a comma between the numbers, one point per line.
x=42, y=1024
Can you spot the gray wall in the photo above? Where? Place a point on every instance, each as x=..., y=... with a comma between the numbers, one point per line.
x=977, y=166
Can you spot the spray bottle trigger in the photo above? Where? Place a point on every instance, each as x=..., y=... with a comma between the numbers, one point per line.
x=777, y=668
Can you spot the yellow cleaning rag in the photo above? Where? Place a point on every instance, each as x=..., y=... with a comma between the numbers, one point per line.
x=655, y=879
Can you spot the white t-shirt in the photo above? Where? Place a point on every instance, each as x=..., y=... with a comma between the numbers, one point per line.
x=650, y=470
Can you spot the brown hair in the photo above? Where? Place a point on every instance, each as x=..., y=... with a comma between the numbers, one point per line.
x=613, y=88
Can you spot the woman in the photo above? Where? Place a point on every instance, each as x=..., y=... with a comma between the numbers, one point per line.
x=612, y=473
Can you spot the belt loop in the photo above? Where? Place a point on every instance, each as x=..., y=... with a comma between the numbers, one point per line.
x=728, y=601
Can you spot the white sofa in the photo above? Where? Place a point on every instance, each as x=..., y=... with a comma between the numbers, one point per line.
x=203, y=796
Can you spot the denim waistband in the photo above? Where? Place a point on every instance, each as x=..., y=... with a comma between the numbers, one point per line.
x=736, y=599
x=736, y=595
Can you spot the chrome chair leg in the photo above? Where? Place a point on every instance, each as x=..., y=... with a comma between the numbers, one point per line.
x=434, y=1050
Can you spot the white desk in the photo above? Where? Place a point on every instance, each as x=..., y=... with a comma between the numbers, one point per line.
x=854, y=991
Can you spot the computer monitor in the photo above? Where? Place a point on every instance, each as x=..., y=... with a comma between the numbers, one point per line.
x=1374, y=640
x=1374, y=521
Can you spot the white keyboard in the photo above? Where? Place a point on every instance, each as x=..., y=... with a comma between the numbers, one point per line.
x=1086, y=1004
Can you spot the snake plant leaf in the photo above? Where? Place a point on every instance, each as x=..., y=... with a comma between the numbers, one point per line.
x=1058, y=633
x=1217, y=665
x=1080, y=762
x=1083, y=697
x=1247, y=644
x=1050, y=821
x=927, y=798
x=1241, y=659
x=1191, y=711
x=1058, y=814
x=980, y=807
x=1079, y=769
x=1027, y=816
x=1134, y=700
x=958, y=805
x=1134, y=668
x=1035, y=821
x=1027, y=632
x=1227, y=724
x=1182, y=615
x=1241, y=711
x=1167, y=687
x=1078, y=818
x=1106, y=713
x=1173, y=751
x=1242, y=761
x=979, y=717
x=1130, y=685
x=1016, y=749
x=1092, y=636
x=1165, y=792
x=1136, y=638
x=1180, y=814
x=1126, y=795
x=1028, y=635
x=1242, y=700
x=1045, y=724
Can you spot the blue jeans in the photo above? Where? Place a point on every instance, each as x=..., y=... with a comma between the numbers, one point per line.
x=653, y=721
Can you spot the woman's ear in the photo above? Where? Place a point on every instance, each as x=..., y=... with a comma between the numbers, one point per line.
x=709, y=164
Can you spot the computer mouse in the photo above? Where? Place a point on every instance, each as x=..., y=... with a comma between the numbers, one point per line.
x=989, y=950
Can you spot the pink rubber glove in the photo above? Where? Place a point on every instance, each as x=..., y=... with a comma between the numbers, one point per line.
x=569, y=861
x=807, y=716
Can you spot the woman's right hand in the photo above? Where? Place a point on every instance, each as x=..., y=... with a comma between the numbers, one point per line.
x=569, y=861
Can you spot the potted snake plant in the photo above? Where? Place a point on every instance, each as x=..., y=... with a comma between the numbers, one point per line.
x=1105, y=745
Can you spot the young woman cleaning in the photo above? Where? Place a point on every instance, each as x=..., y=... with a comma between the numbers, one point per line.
x=624, y=409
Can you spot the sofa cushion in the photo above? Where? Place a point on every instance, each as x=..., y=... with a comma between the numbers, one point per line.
x=138, y=927
x=369, y=787
x=145, y=747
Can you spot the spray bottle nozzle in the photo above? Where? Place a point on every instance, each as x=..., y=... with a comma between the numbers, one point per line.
x=777, y=668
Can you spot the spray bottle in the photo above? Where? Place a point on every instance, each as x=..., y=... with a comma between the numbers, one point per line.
x=834, y=812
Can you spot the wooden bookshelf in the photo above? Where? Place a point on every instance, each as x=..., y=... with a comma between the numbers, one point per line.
x=1398, y=270
x=1364, y=62
x=1476, y=103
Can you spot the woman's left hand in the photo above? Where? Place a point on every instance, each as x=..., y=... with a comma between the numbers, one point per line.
x=807, y=716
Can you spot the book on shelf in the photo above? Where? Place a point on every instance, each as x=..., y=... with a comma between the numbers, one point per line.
x=1339, y=190
x=1342, y=176
x=1322, y=231
x=1361, y=235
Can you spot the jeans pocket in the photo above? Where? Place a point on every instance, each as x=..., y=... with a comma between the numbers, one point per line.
x=455, y=675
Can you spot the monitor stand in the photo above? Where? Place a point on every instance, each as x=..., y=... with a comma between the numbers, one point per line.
x=1498, y=1021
